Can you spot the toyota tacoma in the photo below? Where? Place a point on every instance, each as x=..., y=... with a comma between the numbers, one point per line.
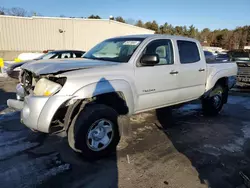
x=119, y=77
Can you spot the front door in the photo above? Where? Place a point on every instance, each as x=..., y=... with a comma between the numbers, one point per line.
x=156, y=85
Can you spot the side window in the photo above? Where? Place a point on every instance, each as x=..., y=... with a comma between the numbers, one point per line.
x=163, y=48
x=188, y=51
x=65, y=55
x=78, y=55
x=54, y=57
x=73, y=55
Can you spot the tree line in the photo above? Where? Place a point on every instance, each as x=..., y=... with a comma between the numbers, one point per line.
x=17, y=11
x=225, y=38
x=228, y=39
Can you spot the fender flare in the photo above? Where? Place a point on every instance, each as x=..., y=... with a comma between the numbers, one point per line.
x=213, y=79
x=108, y=86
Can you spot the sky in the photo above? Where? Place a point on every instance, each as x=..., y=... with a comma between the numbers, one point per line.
x=214, y=14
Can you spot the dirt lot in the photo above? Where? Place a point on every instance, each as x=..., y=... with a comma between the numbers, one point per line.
x=189, y=151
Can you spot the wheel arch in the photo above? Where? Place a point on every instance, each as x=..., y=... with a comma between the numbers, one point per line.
x=215, y=78
x=115, y=94
x=108, y=89
x=224, y=83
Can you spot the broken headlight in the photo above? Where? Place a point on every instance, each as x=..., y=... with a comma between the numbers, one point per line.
x=46, y=87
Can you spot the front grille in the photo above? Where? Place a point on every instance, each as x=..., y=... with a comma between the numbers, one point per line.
x=26, y=80
x=244, y=71
x=243, y=68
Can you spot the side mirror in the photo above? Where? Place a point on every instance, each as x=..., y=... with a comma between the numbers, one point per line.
x=150, y=59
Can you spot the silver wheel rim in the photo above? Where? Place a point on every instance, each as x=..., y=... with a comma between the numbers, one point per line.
x=100, y=134
x=217, y=101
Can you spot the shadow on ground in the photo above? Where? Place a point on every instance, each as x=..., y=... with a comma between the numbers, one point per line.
x=187, y=150
x=218, y=147
x=29, y=159
x=4, y=97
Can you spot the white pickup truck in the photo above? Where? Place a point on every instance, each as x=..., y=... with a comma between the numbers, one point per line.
x=120, y=76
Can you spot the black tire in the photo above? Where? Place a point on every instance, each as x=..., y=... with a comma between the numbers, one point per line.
x=165, y=117
x=213, y=104
x=81, y=125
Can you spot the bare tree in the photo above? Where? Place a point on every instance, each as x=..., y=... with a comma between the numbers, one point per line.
x=34, y=13
x=243, y=40
x=2, y=11
x=17, y=11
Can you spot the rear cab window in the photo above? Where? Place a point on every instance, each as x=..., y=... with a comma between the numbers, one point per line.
x=188, y=51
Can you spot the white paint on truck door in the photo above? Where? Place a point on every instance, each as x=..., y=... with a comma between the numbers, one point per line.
x=192, y=74
x=157, y=85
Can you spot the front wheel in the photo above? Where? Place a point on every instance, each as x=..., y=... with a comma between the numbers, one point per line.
x=213, y=104
x=94, y=131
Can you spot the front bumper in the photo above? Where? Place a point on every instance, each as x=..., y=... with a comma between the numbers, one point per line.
x=243, y=84
x=19, y=92
x=244, y=79
x=37, y=112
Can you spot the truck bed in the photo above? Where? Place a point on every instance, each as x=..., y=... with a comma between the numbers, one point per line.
x=220, y=69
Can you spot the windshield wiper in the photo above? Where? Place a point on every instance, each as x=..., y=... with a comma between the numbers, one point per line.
x=102, y=59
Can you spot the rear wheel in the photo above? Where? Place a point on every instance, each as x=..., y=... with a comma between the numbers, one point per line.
x=213, y=104
x=94, y=131
x=164, y=116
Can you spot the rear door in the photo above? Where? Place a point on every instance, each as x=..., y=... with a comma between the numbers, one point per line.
x=192, y=74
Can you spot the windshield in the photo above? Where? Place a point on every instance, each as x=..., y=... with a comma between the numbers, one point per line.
x=118, y=49
x=47, y=55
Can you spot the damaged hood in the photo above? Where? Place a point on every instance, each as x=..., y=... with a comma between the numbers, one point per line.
x=62, y=65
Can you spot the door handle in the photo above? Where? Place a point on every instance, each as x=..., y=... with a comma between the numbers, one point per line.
x=174, y=72
x=201, y=70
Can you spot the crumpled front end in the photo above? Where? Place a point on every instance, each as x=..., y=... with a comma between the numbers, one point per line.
x=38, y=112
x=38, y=100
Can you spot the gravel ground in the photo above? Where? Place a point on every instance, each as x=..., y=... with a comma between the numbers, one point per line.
x=189, y=151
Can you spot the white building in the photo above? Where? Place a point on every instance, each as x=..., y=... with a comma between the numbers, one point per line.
x=36, y=34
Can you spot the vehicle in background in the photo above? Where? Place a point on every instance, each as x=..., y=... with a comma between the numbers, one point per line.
x=223, y=57
x=14, y=69
x=210, y=57
x=216, y=53
x=242, y=58
x=239, y=55
x=27, y=56
x=119, y=77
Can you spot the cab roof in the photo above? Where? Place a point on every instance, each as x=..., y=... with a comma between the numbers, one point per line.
x=144, y=36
